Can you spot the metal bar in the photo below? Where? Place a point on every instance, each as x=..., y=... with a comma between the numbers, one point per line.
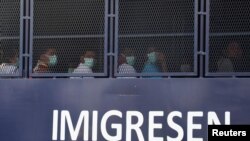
x=196, y=36
x=156, y=35
x=8, y=76
x=116, y=46
x=230, y=34
x=111, y=15
x=26, y=39
x=228, y=74
x=68, y=36
x=21, y=38
x=201, y=57
x=67, y=75
x=111, y=41
x=166, y=74
x=106, y=38
x=207, y=42
x=13, y=37
x=26, y=17
x=202, y=12
x=30, y=64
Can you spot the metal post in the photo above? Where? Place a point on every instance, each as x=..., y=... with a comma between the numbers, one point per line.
x=207, y=35
x=201, y=57
x=116, y=37
x=21, y=56
x=196, y=23
x=111, y=39
x=26, y=39
x=31, y=36
x=106, y=38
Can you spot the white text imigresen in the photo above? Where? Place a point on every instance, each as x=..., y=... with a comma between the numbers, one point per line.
x=100, y=127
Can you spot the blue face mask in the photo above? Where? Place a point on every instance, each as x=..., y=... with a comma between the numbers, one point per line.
x=130, y=60
x=52, y=60
x=152, y=57
x=89, y=62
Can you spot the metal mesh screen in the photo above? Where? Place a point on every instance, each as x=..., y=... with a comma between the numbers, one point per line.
x=9, y=37
x=229, y=37
x=71, y=29
x=155, y=37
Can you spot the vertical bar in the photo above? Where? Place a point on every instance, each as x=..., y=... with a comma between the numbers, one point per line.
x=207, y=35
x=31, y=35
x=196, y=36
x=116, y=35
x=201, y=57
x=1, y=11
x=26, y=45
x=111, y=41
x=106, y=38
x=21, y=38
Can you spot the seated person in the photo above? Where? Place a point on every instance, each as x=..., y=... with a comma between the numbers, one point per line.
x=156, y=62
x=231, y=59
x=87, y=61
x=126, y=62
x=47, y=59
x=11, y=65
x=186, y=64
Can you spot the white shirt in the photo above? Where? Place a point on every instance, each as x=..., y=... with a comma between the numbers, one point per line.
x=8, y=68
x=225, y=65
x=126, y=69
x=82, y=69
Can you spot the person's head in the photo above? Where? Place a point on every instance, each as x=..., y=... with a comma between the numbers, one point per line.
x=43, y=64
x=50, y=53
x=152, y=54
x=234, y=50
x=44, y=58
x=13, y=57
x=127, y=56
x=88, y=58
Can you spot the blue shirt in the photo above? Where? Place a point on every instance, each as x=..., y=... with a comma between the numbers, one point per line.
x=151, y=68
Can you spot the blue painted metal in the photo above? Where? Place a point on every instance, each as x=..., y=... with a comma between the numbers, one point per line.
x=26, y=106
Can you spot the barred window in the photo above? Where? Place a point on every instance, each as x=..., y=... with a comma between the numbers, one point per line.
x=9, y=37
x=70, y=28
x=229, y=37
x=161, y=35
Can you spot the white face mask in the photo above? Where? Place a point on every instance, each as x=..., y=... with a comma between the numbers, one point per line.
x=89, y=62
x=52, y=60
x=152, y=57
x=130, y=60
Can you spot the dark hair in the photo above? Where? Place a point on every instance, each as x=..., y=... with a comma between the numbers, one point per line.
x=9, y=55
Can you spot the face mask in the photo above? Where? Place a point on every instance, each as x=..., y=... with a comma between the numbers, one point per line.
x=152, y=57
x=52, y=60
x=130, y=60
x=89, y=62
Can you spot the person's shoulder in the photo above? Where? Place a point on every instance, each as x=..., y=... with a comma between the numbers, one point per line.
x=8, y=68
x=223, y=61
x=126, y=68
x=82, y=69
